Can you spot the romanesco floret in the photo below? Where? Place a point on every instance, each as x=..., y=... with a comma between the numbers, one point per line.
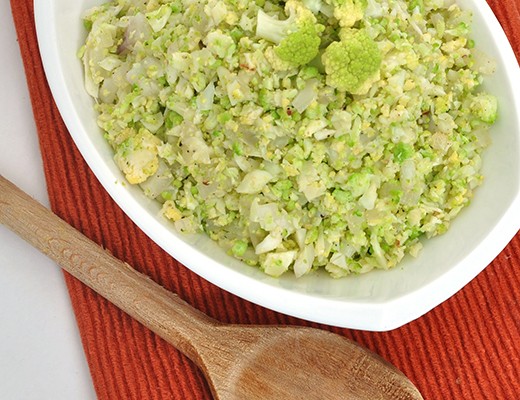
x=348, y=12
x=297, y=37
x=353, y=63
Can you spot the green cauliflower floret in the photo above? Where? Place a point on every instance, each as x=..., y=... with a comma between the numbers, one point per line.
x=353, y=63
x=297, y=38
x=276, y=62
x=348, y=12
x=485, y=107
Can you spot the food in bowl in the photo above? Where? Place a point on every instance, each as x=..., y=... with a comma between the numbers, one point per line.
x=298, y=135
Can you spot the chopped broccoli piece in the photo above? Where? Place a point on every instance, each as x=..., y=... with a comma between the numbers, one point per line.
x=172, y=119
x=239, y=248
x=485, y=107
x=357, y=184
x=342, y=196
x=402, y=151
x=237, y=149
x=416, y=5
x=297, y=38
x=353, y=63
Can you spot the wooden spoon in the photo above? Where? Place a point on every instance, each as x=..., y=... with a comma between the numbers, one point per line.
x=240, y=362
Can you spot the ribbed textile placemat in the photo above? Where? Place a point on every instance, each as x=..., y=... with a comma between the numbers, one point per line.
x=466, y=348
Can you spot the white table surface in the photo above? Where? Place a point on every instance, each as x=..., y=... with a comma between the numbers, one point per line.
x=40, y=350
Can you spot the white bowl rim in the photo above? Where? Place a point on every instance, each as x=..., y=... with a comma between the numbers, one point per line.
x=374, y=316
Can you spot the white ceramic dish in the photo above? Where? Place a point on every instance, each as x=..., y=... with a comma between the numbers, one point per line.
x=380, y=300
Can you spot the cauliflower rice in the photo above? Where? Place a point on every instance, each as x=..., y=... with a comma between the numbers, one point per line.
x=280, y=163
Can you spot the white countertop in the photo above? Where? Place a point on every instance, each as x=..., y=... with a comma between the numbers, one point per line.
x=40, y=350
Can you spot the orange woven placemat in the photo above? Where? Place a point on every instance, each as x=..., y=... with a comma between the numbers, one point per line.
x=467, y=348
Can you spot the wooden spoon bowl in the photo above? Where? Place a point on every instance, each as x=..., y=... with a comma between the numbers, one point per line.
x=240, y=362
x=301, y=363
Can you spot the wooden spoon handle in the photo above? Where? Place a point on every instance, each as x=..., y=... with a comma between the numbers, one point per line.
x=159, y=310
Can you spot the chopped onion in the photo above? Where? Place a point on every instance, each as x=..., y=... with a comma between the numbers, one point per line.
x=205, y=98
x=306, y=96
